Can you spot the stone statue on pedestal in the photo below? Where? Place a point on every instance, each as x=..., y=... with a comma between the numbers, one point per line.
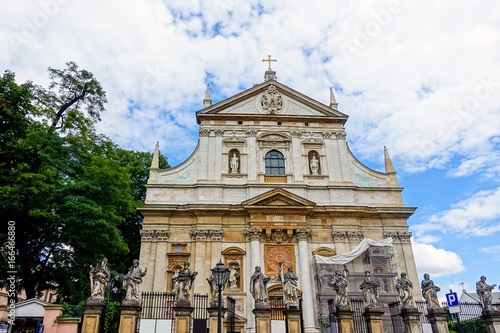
x=183, y=281
x=258, y=287
x=484, y=292
x=429, y=292
x=99, y=280
x=132, y=280
x=404, y=288
x=370, y=290
x=339, y=284
x=289, y=282
x=214, y=290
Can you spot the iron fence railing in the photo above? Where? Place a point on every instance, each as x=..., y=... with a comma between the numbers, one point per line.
x=231, y=315
x=157, y=305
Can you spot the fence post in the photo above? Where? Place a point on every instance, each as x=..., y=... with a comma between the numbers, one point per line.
x=411, y=319
x=92, y=316
x=438, y=319
x=129, y=313
x=373, y=318
x=344, y=319
x=491, y=320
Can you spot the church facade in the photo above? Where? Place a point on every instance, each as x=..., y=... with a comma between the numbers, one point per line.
x=272, y=180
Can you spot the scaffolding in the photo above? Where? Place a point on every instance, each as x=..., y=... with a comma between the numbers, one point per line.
x=379, y=260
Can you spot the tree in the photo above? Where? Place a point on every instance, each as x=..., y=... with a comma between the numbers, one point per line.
x=71, y=192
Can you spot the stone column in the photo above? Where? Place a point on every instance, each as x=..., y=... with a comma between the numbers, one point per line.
x=214, y=317
x=182, y=318
x=252, y=154
x=218, y=155
x=305, y=280
x=253, y=234
x=147, y=256
x=293, y=320
x=298, y=172
x=129, y=313
x=160, y=272
x=262, y=319
x=491, y=320
x=203, y=154
x=344, y=319
x=92, y=316
x=373, y=318
x=438, y=319
x=411, y=320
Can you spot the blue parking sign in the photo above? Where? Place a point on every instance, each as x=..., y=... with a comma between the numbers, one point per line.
x=452, y=299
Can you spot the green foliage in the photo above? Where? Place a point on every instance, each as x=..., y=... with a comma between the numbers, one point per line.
x=71, y=192
x=475, y=325
x=111, y=316
x=72, y=311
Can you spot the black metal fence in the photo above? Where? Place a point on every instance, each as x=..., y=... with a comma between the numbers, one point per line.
x=231, y=315
x=157, y=305
x=277, y=307
x=359, y=322
x=200, y=313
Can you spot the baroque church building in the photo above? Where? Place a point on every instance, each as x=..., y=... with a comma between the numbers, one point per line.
x=272, y=180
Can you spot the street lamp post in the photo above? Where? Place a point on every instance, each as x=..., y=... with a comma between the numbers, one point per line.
x=220, y=273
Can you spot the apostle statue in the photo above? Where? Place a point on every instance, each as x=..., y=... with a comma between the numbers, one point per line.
x=370, y=290
x=214, y=290
x=289, y=281
x=234, y=163
x=404, y=288
x=314, y=164
x=99, y=280
x=484, y=292
x=339, y=284
x=132, y=280
x=258, y=286
x=429, y=292
x=233, y=278
x=183, y=281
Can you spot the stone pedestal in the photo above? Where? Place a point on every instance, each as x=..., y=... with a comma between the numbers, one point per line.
x=411, y=320
x=491, y=320
x=293, y=323
x=438, y=319
x=373, y=318
x=214, y=318
x=129, y=312
x=182, y=318
x=92, y=316
x=262, y=318
x=344, y=319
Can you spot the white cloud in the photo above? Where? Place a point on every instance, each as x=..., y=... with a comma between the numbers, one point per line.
x=429, y=91
x=491, y=249
x=477, y=215
x=436, y=262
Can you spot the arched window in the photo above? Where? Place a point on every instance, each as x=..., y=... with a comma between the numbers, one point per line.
x=275, y=163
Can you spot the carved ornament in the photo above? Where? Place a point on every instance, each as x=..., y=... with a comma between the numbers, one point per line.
x=204, y=132
x=303, y=234
x=279, y=254
x=271, y=101
x=253, y=233
x=279, y=236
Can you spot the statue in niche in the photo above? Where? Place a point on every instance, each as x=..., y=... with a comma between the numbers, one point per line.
x=258, y=287
x=233, y=278
x=99, y=280
x=484, y=292
x=370, y=290
x=314, y=164
x=429, y=292
x=404, y=288
x=132, y=280
x=339, y=284
x=289, y=282
x=183, y=280
x=234, y=163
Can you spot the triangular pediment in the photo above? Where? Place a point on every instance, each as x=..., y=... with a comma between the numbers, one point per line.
x=271, y=99
x=278, y=197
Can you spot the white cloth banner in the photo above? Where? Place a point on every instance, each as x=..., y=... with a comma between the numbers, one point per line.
x=350, y=256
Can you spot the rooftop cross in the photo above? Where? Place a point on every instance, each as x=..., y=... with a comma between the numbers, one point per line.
x=269, y=60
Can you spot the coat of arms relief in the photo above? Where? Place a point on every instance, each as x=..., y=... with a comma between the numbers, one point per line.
x=271, y=101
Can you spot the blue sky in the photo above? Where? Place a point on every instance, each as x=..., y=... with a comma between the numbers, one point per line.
x=420, y=77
